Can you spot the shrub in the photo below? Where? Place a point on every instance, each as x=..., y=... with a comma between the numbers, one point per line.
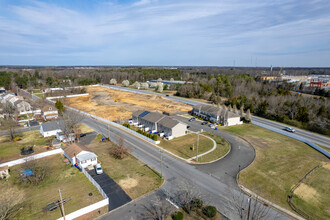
x=210, y=211
x=177, y=216
x=196, y=203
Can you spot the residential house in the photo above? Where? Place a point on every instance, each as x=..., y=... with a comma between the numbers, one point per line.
x=65, y=138
x=156, y=122
x=4, y=172
x=171, y=127
x=136, y=114
x=80, y=155
x=49, y=112
x=217, y=115
x=51, y=128
x=149, y=120
x=22, y=106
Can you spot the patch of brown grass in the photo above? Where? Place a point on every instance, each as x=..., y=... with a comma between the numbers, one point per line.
x=118, y=105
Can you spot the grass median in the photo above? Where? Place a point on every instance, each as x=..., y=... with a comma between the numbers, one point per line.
x=183, y=146
x=281, y=162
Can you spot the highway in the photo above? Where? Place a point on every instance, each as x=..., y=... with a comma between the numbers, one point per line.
x=299, y=134
x=178, y=176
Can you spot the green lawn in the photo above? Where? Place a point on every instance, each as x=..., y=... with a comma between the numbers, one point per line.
x=40, y=95
x=280, y=163
x=313, y=195
x=131, y=174
x=10, y=150
x=182, y=146
x=222, y=149
x=73, y=184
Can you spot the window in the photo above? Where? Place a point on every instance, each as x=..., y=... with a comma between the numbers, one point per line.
x=93, y=159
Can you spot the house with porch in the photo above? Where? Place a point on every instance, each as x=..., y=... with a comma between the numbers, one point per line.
x=49, y=112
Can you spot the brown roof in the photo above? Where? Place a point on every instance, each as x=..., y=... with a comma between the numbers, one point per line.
x=4, y=168
x=75, y=148
x=46, y=108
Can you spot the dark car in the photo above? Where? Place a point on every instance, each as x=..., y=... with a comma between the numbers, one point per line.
x=204, y=123
x=192, y=119
x=188, y=126
x=167, y=95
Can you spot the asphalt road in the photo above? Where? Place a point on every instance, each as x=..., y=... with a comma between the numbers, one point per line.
x=310, y=136
x=20, y=130
x=179, y=175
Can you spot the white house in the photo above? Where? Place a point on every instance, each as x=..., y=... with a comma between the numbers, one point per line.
x=171, y=127
x=49, y=112
x=51, y=128
x=81, y=155
x=62, y=137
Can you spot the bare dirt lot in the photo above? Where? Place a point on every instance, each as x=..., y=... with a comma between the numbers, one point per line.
x=118, y=105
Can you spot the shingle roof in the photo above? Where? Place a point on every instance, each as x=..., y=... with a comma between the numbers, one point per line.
x=168, y=122
x=75, y=148
x=137, y=113
x=153, y=117
x=53, y=125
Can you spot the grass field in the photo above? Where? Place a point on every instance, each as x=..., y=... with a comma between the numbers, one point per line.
x=182, y=146
x=222, y=149
x=84, y=128
x=280, y=163
x=121, y=104
x=10, y=150
x=73, y=184
x=132, y=175
x=313, y=195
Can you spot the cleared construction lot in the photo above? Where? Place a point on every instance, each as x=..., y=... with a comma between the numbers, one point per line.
x=118, y=105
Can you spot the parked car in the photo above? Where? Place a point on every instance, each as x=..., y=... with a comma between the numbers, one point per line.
x=204, y=123
x=188, y=126
x=192, y=119
x=98, y=169
x=167, y=95
x=289, y=129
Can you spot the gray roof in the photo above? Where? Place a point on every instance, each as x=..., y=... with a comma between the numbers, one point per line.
x=86, y=156
x=53, y=125
x=137, y=113
x=215, y=110
x=153, y=117
x=168, y=122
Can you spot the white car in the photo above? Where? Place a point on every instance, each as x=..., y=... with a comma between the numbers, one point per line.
x=289, y=129
x=98, y=169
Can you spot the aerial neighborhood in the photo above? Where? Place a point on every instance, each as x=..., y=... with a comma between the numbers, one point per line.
x=164, y=110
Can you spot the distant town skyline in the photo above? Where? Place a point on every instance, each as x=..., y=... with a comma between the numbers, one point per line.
x=288, y=33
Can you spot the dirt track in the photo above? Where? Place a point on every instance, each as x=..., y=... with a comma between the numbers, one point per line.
x=118, y=105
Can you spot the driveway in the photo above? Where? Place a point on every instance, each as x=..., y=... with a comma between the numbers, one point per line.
x=87, y=138
x=117, y=196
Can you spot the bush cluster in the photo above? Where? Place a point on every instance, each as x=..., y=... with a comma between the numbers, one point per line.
x=149, y=135
x=210, y=211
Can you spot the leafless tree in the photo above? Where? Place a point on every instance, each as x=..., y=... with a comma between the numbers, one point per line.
x=9, y=109
x=241, y=111
x=10, y=125
x=40, y=169
x=248, y=115
x=119, y=151
x=10, y=201
x=157, y=209
x=71, y=124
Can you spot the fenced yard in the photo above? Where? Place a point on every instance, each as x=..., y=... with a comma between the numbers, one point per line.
x=58, y=174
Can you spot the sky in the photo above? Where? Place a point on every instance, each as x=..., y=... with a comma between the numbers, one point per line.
x=290, y=33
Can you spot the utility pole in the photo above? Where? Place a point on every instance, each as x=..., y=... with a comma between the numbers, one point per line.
x=61, y=201
x=197, y=146
x=249, y=199
x=108, y=129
